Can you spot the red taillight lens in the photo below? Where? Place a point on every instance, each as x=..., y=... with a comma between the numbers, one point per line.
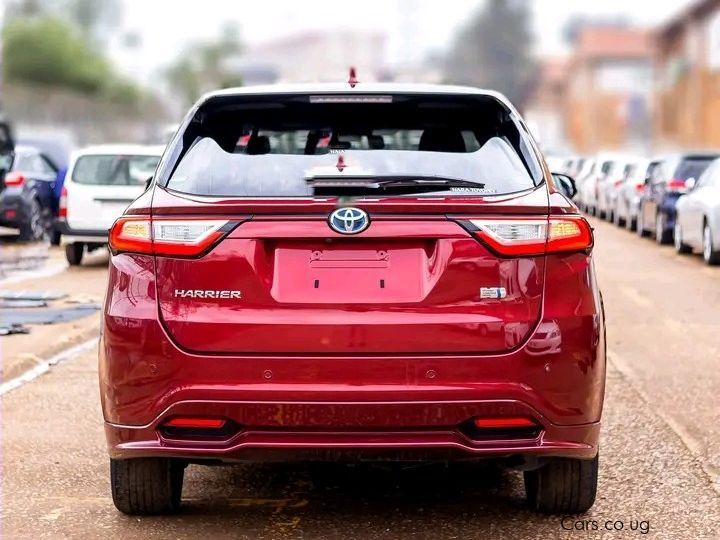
x=639, y=188
x=169, y=237
x=195, y=423
x=14, y=179
x=618, y=183
x=675, y=185
x=62, y=212
x=527, y=236
x=504, y=423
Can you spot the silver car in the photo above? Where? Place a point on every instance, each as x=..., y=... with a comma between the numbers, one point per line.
x=698, y=216
x=609, y=187
x=628, y=194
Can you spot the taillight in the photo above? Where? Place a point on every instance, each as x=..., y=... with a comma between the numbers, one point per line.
x=168, y=237
x=517, y=237
x=14, y=179
x=62, y=212
x=639, y=188
x=618, y=183
x=675, y=185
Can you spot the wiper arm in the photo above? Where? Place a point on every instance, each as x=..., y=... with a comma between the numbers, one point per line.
x=387, y=183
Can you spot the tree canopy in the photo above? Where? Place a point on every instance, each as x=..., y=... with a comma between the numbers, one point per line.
x=494, y=50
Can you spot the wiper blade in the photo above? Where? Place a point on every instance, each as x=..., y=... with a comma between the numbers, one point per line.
x=388, y=183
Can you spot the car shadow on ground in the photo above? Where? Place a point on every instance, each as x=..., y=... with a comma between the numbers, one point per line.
x=316, y=498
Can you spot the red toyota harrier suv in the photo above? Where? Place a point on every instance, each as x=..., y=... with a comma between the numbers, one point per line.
x=376, y=272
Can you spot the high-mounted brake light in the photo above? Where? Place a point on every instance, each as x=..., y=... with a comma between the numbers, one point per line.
x=14, y=179
x=168, y=237
x=533, y=236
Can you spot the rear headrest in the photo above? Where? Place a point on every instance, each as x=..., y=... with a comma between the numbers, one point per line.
x=259, y=144
x=442, y=140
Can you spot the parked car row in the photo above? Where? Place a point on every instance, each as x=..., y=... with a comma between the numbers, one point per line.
x=674, y=198
x=46, y=193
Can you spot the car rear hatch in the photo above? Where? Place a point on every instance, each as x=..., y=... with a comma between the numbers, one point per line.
x=409, y=284
x=101, y=187
x=248, y=261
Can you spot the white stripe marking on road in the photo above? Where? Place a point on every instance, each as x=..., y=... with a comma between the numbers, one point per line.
x=24, y=275
x=45, y=365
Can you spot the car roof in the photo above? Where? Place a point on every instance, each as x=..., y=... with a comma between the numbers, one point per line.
x=121, y=149
x=359, y=89
x=25, y=149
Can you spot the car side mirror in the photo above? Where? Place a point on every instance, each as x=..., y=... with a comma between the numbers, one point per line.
x=690, y=183
x=565, y=184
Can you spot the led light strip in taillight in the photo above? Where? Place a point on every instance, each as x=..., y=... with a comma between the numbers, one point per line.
x=167, y=237
x=523, y=237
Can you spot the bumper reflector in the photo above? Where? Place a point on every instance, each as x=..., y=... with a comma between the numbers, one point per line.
x=503, y=423
x=195, y=423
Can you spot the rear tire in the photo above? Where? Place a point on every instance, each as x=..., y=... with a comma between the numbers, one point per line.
x=640, y=225
x=710, y=254
x=662, y=235
x=74, y=253
x=35, y=228
x=631, y=223
x=146, y=486
x=680, y=247
x=563, y=486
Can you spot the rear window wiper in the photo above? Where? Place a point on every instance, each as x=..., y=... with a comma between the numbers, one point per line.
x=342, y=184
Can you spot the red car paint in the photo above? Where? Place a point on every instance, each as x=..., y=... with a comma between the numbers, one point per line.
x=366, y=345
x=295, y=372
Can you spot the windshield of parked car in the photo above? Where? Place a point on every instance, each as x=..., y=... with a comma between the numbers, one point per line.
x=281, y=147
x=115, y=170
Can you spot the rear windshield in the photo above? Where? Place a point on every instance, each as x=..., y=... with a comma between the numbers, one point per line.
x=286, y=147
x=114, y=170
x=693, y=167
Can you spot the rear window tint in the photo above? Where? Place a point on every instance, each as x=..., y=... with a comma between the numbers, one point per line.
x=114, y=170
x=692, y=168
x=255, y=147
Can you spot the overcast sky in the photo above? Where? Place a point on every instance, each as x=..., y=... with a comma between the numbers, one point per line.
x=415, y=27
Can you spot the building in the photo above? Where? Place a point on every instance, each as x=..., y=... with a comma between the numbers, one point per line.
x=545, y=112
x=687, y=78
x=609, y=90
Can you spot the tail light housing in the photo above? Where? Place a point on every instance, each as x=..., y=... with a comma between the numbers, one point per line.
x=14, y=179
x=618, y=183
x=640, y=188
x=170, y=237
x=676, y=185
x=62, y=211
x=524, y=237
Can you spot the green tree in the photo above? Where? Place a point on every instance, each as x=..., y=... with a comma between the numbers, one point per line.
x=494, y=50
x=46, y=51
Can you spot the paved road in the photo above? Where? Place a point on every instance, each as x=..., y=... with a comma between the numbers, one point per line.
x=658, y=463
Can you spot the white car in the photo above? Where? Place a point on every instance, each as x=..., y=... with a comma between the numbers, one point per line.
x=591, y=184
x=100, y=183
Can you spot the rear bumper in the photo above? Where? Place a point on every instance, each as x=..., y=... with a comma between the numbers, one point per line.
x=273, y=443
x=14, y=208
x=321, y=406
x=90, y=236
